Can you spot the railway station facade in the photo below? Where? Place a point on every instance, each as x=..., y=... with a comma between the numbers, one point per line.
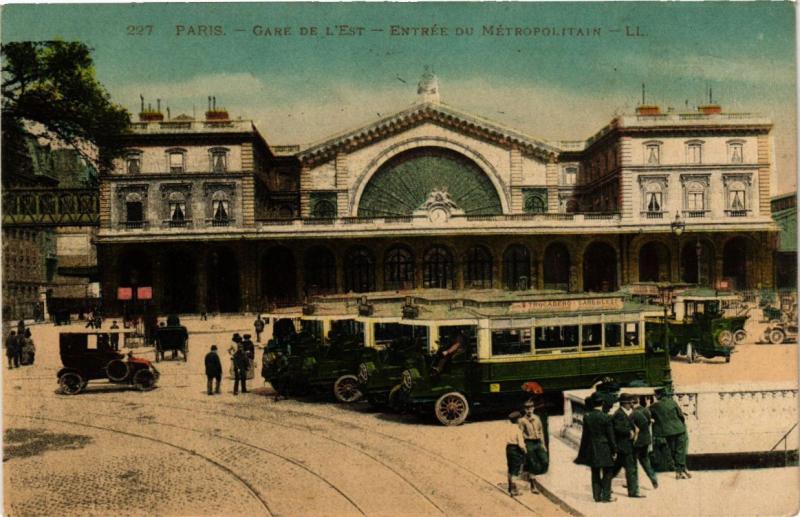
x=213, y=218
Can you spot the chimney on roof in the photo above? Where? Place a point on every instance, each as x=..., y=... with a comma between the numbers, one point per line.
x=215, y=113
x=644, y=109
x=711, y=108
x=148, y=115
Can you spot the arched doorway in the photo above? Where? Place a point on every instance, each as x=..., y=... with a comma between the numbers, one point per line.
x=599, y=268
x=222, y=272
x=279, y=276
x=517, y=267
x=180, y=282
x=319, y=270
x=556, y=266
x=437, y=268
x=689, y=258
x=359, y=271
x=654, y=262
x=735, y=260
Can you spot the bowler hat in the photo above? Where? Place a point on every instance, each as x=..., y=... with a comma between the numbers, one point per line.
x=237, y=338
x=515, y=415
x=247, y=336
x=213, y=347
x=627, y=397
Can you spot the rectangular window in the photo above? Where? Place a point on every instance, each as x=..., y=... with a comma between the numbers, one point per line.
x=175, y=162
x=695, y=201
x=654, y=201
x=570, y=173
x=313, y=327
x=219, y=209
x=613, y=335
x=219, y=161
x=549, y=339
x=386, y=333
x=177, y=211
x=134, y=164
x=511, y=342
x=736, y=200
x=735, y=153
x=653, y=154
x=448, y=334
x=592, y=337
x=631, y=334
x=694, y=153
x=134, y=212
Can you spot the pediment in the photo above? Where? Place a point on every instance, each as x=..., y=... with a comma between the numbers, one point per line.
x=422, y=113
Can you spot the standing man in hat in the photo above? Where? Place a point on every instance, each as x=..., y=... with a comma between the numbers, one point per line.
x=258, y=325
x=642, y=419
x=625, y=436
x=669, y=425
x=241, y=363
x=597, y=449
x=213, y=369
x=536, y=461
x=515, y=451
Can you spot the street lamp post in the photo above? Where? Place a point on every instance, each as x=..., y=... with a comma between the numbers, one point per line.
x=677, y=226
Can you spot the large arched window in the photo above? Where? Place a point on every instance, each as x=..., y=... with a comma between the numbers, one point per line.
x=324, y=210
x=134, y=209
x=517, y=267
x=176, y=209
x=478, y=268
x=437, y=268
x=359, y=271
x=320, y=270
x=398, y=268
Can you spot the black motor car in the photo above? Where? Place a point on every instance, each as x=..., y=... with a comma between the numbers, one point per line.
x=174, y=337
x=87, y=356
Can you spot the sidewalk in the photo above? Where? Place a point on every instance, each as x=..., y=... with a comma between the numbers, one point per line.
x=708, y=493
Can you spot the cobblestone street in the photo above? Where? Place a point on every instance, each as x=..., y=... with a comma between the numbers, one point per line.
x=176, y=450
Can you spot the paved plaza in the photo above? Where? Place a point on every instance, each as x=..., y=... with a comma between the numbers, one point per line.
x=177, y=451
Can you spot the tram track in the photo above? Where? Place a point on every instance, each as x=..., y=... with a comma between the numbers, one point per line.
x=248, y=487
x=353, y=426
x=340, y=423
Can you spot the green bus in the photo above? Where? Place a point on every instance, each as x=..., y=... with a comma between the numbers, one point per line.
x=559, y=341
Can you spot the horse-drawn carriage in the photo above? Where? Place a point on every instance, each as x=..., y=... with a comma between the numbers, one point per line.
x=173, y=337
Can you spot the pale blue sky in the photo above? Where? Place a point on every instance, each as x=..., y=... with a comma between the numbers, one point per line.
x=299, y=89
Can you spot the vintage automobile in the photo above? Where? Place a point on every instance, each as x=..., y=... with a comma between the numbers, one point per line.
x=486, y=348
x=696, y=324
x=782, y=320
x=173, y=337
x=88, y=355
x=332, y=366
x=285, y=353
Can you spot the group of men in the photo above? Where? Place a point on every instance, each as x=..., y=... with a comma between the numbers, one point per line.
x=526, y=447
x=20, y=349
x=622, y=440
x=242, y=353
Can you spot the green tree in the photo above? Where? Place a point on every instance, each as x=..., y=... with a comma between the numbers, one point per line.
x=49, y=90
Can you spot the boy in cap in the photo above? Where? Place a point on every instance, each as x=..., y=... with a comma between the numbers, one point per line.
x=597, y=449
x=515, y=451
x=536, y=451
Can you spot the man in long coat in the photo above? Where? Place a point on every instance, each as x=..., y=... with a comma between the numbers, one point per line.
x=642, y=420
x=669, y=427
x=213, y=368
x=625, y=436
x=597, y=449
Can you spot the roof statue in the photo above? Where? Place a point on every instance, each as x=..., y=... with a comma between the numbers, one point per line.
x=428, y=86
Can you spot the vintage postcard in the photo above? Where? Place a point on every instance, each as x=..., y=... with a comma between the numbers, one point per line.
x=400, y=259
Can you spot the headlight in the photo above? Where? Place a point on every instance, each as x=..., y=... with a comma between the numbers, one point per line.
x=725, y=338
x=408, y=381
x=363, y=373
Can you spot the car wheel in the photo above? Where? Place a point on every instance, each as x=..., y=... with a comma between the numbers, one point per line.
x=117, y=371
x=739, y=336
x=691, y=355
x=144, y=380
x=346, y=390
x=776, y=336
x=452, y=408
x=71, y=383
